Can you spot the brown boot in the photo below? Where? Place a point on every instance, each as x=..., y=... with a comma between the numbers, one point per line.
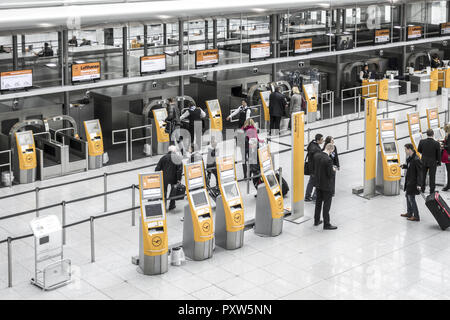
x=405, y=215
x=413, y=219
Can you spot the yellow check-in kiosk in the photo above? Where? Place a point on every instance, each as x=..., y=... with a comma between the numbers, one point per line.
x=160, y=138
x=415, y=129
x=24, y=166
x=198, y=226
x=229, y=206
x=269, y=201
x=215, y=115
x=265, y=101
x=435, y=124
x=153, y=240
x=94, y=138
x=311, y=101
x=388, y=164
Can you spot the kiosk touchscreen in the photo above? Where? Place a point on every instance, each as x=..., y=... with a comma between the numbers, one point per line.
x=388, y=165
x=198, y=226
x=94, y=137
x=153, y=240
x=25, y=162
x=269, y=205
x=160, y=138
x=229, y=206
x=434, y=123
x=215, y=115
x=415, y=129
x=311, y=101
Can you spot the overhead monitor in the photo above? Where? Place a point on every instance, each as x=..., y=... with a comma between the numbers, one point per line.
x=445, y=28
x=344, y=42
x=231, y=191
x=206, y=57
x=389, y=147
x=272, y=180
x=259, y=50
x=86, y=71
x=302, y=45
x=414, y=32
x=382, y=36
x=153, y=210
x=13, y=80
x=199, y=199
x=155, y=63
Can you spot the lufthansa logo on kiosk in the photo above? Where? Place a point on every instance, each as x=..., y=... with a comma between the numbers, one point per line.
x=394, y=170
x=237, y=217
x=206, y=227
x=280, y=203
x=29, y=158
x=156, y=241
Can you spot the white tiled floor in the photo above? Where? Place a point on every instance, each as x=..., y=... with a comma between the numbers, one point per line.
x=375, y=254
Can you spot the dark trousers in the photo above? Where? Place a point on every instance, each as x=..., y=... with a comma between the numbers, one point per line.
x=432, y=172
x=310, y=186
x=274, y=124
x=447, y=166
x=411, y=206
x=172, y=186
x=324, y=197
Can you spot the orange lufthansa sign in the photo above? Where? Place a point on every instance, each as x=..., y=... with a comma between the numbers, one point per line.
x=227, y=163
x=414, y=32
x=86, y=71
x=194, y=171
x=387, y=125
x=151, y=181
x=206, y=57
x=303, y=45
x=382, y=35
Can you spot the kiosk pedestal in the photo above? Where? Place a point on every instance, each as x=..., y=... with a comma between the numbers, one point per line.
x=24, y=166
x=388, y=188
x=151, y=265
x=265, y=224
x=227, y=239
x=94, y=137
x=195, y=250
x=160, y=138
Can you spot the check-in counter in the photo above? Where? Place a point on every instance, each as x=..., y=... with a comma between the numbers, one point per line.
x=50, y=156
x=422, y=80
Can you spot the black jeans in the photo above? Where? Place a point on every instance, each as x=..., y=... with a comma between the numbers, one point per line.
x=274, y=124
x=432, y=172
x=447, y=166
x=324, y=197
x=411, y=206
x=310, y=186
x=172, y=186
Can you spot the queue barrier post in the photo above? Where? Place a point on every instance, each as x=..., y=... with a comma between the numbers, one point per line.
x=63, y=218
x=9, y=262
x=91, y=222
x=37, y=200
x=105, y=190
x=348, y=134
x=133, y=202
x=248, y=177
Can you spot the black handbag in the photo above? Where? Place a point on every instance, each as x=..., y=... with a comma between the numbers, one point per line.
x=306, y=171
x=168, y=128
x=178, y=192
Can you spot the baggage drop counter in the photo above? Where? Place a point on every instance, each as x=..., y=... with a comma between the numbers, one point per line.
x=153, y=239
x=269, y=202
x=94, y=138
x=198, y=226
x=25, y=163
x=388, y=164
x=229, y=206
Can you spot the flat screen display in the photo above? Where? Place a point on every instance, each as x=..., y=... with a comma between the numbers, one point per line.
x=199, y=199
x=302, y=45
x=214, y=106
x=272, y=180
x=154, y=63
x=206, y=57
x=86, y=71
x=25, y=139
x=382, y=36
x=390, y=147
x=344, y=42
x=93, y=126
x=445, y=28
x=19, y=79
x=414, y=32
x=231, y=191
x=259, y=51
x=153, y=210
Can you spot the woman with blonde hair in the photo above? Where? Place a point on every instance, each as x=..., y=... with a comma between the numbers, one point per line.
x=446, y=154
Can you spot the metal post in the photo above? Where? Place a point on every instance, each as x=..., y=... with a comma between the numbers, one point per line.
x=206, y=34
x=214, y=33
x=354, y=100
x=15, y=53
x=332, y=103
x=125, y=51
x=66, y=72
x=227, y=29
x=181, y=56
x=280, y=175
x=92, y=239
x=348, y=134
x=145, y=40
x=133, y=203
x=105, y=190
x=9, y=263
x=164, y=34
x=63, y=218
x=37, y=201
x=126, y=145
x=248, y=177
x=342, y=105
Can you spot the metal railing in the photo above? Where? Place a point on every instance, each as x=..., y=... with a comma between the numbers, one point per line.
x=8, y=164
x=114, y=142
x=357, y=96
x=327, y=98
x=148, y=128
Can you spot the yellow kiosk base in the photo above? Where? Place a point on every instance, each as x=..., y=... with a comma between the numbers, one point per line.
x=194, y=250
x=265, y=225
x=226, y=239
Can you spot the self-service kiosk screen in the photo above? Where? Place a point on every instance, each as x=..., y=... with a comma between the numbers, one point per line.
x=390, y=147
x=25, y=139
x=272, y=180
x=199, y=199
x=214, y=106
x=231, y=191
x=153, y=210
x=92, y=127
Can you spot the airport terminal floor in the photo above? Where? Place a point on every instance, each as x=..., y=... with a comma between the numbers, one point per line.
x=374, y=253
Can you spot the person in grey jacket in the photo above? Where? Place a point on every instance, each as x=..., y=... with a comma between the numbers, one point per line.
x=296, y=101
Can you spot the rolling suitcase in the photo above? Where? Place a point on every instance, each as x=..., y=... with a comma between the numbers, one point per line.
x=439, y=209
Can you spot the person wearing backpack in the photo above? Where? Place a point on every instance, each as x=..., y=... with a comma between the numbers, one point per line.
x=312, y=149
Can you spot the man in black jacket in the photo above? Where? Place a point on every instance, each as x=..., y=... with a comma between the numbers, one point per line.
x=323, y=172
x=313, y=148
x=171, y=166
x=431, y=158
x=277, y=106
x=413, y=178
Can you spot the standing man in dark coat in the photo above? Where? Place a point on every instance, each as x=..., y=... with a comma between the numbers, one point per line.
x=323, y=171
x=413, y=179
x=171, y=166
x=313, y=148
x=277, y=107
x=431, y=158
